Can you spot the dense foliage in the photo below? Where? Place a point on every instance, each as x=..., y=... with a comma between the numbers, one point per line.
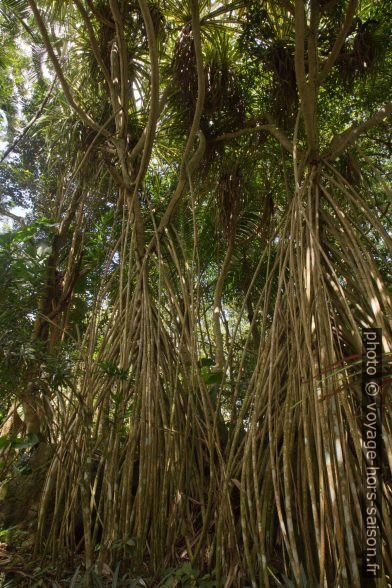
x=196, y=199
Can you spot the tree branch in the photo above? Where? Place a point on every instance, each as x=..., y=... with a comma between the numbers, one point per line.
x=187, y=167
x=271, y=128
x=343, y=140
x=16, y=218
x=99, y=16
x=288, y=6
x=307, y=98
x=29, y=124
x=277, y=132
x=64, y=84
x=154, y=106
x=140, y=144
x=94, y=47
x=339, y=41
x=219, y=352
x=240, y=132
x=123, y=82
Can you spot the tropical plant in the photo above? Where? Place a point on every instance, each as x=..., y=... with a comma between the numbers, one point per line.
x=208, y=197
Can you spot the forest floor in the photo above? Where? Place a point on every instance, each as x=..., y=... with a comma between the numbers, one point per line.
x=19, y=569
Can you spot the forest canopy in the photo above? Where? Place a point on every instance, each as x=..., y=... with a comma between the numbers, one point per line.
x=195, y=205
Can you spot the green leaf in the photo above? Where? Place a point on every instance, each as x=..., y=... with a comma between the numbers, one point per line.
x=111, y=370
x=4, y=441
x=31, y=440
x=212, y=377
x=187, y=570
x=206, y=362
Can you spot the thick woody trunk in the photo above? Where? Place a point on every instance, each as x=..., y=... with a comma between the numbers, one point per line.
x=52, y=306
